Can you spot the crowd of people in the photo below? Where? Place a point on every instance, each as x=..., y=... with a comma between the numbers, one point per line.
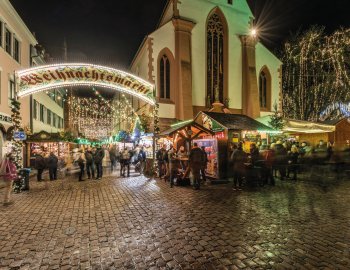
x=173, y=164
x=261, y=162
x=282, y=159
x=93, y=161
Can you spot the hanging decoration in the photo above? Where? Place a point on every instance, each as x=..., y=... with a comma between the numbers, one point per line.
x=316, y=74
x=336, y=110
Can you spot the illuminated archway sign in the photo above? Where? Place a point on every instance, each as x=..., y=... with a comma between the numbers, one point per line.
x=48, y=77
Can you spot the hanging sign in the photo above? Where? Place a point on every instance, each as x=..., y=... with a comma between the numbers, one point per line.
x=19, y=135
x=56, y=76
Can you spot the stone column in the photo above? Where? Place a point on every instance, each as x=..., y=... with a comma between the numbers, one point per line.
x=183, y=69
x=250, y=90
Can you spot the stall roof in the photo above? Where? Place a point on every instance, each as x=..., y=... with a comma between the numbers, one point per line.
x=178, y=126
x=299, y=126
x=237, y=121
x=44, y=136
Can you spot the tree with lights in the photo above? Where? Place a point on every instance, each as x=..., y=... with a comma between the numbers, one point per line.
x=16, y=144
x=276, y=121
x=315, y=73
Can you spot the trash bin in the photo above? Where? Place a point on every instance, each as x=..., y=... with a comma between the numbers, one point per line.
x=25, y=174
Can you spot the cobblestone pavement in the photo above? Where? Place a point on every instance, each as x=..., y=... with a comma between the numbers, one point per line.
x=137, y=223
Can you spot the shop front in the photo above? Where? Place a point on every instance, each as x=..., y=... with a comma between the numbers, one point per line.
x=48, y=142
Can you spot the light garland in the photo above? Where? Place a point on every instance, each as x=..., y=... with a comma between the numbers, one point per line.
x=54, y=76
x=316, y=74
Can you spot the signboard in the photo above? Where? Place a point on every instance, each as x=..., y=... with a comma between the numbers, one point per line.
x=19, y=135
x=55, y=76
x=211, y=124
x=5, y=118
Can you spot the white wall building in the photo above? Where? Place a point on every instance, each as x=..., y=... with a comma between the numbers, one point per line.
x=17, y=52
x=204, y=45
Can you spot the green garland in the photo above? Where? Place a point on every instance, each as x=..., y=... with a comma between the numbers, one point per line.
x=17, y=145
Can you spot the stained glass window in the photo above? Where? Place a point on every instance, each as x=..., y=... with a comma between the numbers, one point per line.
x=215, y=58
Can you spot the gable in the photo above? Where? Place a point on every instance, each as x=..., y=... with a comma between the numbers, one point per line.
x=167, y=14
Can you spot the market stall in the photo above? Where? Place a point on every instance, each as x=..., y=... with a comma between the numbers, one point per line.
x=48, y=142
x=227, y=129
x=298, y=130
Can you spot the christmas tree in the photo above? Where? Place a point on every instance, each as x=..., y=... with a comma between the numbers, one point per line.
x=276, y=121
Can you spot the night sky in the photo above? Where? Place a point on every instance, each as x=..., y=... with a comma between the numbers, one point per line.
x=110, y=31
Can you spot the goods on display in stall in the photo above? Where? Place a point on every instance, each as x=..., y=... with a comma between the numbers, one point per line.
x=60, y=149
x=211, y=148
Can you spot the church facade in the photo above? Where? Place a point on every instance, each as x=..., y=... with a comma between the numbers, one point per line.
x=203, y=52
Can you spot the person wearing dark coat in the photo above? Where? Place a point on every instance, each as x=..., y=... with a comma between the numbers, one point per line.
x=281, y=159
x=40, y=166
x=293, y=162
x=52, y=164
x=90, y=166
x=98, y=158
x=254, y=153
x=196, y=160
x=239, y=157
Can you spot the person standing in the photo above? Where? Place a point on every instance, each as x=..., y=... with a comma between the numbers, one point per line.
x=40, y=165
x=90, y=167
x=205, y=163
x=182, y=155
x=52, y=164
x=125, y=162
x=98, y=159
x=281, y=159
x=81, y=163
x=293, y=162
x=254, y=153
x=9, y=174
x=172, y=158
x=238, y=159
x=161, y=156
x=113, y=157
x=196, y=159
x=142, y=159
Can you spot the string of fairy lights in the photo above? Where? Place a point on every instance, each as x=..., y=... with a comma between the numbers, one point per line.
x=316, y=75
x=98, y=118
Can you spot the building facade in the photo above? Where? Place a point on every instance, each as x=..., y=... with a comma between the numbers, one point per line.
x=203, y=52
x=18, y=51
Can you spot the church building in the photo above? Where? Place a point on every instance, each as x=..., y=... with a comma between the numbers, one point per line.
x=205, y=52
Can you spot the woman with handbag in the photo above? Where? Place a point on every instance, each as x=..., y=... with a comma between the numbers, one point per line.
x=8, y=173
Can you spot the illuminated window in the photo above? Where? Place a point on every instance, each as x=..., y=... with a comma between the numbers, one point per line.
x=215, y=58
x=164, y=73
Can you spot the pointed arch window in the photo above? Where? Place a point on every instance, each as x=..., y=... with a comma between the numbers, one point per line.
x=265, y=89
x=215, y=58
x=164, y=74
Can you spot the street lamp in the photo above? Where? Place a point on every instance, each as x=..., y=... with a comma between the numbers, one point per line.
x=253, y=32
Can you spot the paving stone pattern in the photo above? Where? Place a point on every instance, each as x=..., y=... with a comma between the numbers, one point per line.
x=136, y=223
